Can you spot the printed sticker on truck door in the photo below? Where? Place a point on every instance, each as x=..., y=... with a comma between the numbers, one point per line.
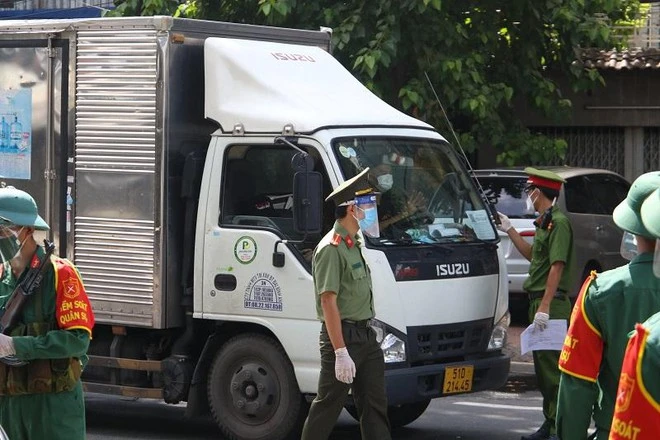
x=264, y=293
x=15, y=134
x=245, y=250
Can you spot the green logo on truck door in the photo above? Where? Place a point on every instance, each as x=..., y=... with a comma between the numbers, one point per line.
x=245, y=249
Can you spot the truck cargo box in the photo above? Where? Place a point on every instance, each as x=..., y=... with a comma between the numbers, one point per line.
x=104, y=112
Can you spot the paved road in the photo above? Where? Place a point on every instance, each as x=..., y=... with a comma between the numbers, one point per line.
x=500, y=415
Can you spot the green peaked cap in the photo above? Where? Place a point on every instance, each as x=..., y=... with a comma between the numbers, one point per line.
x=347, y=190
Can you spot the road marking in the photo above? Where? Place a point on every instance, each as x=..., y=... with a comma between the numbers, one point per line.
x=493, y=405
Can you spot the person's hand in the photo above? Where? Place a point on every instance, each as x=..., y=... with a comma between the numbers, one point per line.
x=416, y=203
x=344, y=366
x=6, y=346
x=541, y=321
x=505, y=223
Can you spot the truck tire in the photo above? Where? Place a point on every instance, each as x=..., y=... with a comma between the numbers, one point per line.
x=399, y=415
x=252, y=390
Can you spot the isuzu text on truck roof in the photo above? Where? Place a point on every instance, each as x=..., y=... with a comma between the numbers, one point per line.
x=182, y=166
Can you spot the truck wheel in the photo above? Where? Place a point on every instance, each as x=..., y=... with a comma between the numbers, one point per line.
x=252, y=391
x=399, y=415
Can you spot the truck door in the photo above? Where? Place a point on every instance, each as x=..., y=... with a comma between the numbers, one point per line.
x=254, y=209
x=33, y=124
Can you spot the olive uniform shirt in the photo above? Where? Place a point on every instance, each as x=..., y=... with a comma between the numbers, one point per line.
x=607, y=309
x=338, y=267
x=550, y=246
x=57, y=343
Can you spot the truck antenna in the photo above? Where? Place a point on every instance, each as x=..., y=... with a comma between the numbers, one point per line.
x=493, y=211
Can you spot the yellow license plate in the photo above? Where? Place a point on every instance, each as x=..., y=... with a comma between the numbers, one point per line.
x=458, y=379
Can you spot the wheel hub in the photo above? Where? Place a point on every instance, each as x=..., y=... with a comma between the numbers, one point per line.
x=254, y=392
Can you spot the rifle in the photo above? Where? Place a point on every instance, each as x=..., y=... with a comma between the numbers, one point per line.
x=12, y=309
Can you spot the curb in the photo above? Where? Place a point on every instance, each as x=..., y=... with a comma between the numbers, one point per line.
x=521, y=369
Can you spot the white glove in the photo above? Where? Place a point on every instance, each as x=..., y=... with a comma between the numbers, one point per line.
x=6, y=346
x=541, y=321
x=344, y=366
x=505, y=223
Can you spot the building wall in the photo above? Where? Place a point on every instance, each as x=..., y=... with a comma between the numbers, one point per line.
x=616, y=127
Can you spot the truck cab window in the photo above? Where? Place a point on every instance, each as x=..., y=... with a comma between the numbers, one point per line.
x=258, y=192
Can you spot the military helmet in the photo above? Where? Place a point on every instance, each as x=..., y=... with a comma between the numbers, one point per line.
x=627, y=215
x=650, y=213
x=19, y=208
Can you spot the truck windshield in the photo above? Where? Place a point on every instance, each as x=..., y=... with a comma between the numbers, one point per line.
x=426, y=196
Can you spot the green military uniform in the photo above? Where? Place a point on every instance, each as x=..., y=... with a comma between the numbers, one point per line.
x=41, y=399
x=26, y=410
x=552, y=243
x=608, y=307
x=607, y=310
x=338, y=266
x=637, y=410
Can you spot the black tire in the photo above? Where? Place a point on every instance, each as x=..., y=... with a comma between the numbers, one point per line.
x=252, y=390
x=399, y=415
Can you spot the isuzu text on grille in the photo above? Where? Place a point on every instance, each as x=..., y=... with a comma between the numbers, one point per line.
x=443, y=270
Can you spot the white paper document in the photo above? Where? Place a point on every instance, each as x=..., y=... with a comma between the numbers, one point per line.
x=552, y=338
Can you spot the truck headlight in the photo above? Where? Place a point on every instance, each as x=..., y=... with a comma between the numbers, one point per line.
x=394, y=348
x=498, y=335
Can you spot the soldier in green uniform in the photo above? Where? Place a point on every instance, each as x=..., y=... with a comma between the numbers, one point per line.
x=607, y=309
x=42, y=399
x=351, y=358
x=637, y=408
x=551, y=260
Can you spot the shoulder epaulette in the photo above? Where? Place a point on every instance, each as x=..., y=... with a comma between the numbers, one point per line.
x=336, y=239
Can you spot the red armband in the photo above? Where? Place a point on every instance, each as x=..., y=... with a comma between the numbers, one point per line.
x=583, y=347
x=72, y=307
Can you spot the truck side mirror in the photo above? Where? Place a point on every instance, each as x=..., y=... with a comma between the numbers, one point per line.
x=307, y=202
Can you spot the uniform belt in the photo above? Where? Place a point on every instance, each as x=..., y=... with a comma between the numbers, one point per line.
x=362, y=323
x=536, y=295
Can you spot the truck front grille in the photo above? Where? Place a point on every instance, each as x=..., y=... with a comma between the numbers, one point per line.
x=437, y=342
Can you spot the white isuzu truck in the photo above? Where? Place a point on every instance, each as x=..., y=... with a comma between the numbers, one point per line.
x=182, y=165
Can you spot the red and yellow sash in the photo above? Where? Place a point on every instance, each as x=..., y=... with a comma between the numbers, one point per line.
x=636, y=414
x=583, y=347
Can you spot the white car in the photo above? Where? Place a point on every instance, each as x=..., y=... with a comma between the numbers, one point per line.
x=588, y=199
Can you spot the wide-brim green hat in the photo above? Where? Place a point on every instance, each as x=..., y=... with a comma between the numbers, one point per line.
x=627, y=215
x=650, y=213
x=19, y=208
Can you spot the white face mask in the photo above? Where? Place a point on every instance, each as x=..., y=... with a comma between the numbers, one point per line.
x=385, y=182
x=530, y=204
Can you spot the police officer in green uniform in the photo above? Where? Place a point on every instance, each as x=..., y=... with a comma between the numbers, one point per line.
x=551, y=260
x=351, y=358
x=607, y=309
x=43, y=398
x=637, y=408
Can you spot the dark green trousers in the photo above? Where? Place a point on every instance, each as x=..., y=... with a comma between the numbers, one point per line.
x=52, y=416
x=368, y=387
x=546, y=362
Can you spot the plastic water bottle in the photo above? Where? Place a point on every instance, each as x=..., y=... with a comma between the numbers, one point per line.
x=4, y=133
x=16, y=132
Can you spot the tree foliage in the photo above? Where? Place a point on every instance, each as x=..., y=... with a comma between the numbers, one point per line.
x=481, y=56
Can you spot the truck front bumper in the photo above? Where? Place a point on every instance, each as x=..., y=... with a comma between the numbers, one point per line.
x=415, y=384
